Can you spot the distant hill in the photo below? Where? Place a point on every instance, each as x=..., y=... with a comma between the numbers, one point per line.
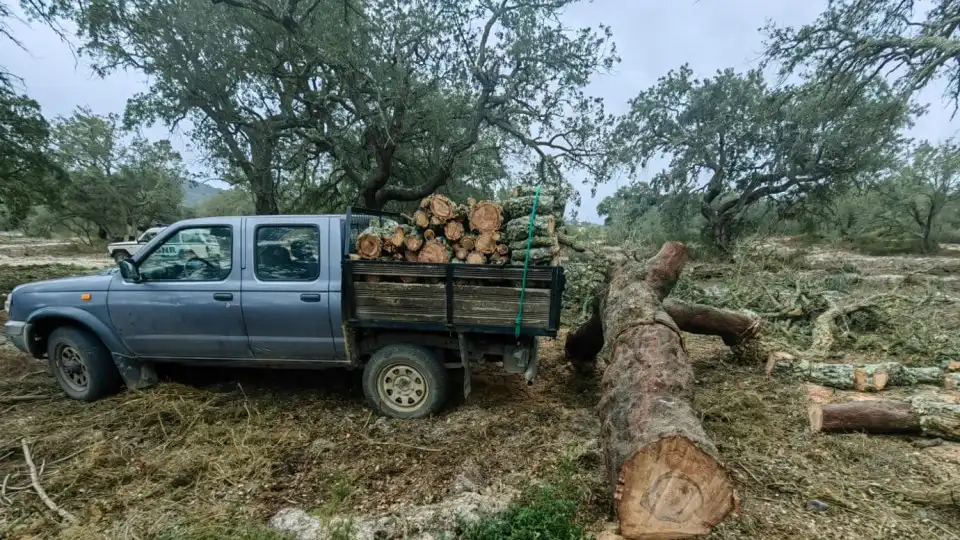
x=196, y=193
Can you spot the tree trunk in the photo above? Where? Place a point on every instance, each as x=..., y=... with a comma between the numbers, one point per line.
x=921, y=415
x=666, y=475
x=584, y=342
x=859, y=377
x=733, y=327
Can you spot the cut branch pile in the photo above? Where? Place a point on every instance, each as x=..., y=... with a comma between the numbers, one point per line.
x=479, y=232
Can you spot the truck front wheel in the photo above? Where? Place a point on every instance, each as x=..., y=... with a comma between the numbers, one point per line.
x=405, y=381
x=82, y=364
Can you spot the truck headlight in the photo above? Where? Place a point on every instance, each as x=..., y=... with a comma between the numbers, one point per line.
x=7, y=302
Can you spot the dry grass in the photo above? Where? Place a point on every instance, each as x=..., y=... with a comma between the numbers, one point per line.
x=223, y=450
x=876, y=487
x=211, y=455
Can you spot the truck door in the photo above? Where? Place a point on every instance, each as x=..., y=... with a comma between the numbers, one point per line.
x=187, y=306
x=286, y=302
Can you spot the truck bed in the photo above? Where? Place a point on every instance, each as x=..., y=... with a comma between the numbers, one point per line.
x=448, y=297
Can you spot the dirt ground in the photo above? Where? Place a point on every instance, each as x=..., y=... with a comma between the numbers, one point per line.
x=215, y=453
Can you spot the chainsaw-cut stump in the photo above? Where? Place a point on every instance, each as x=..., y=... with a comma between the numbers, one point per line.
x=485, y=217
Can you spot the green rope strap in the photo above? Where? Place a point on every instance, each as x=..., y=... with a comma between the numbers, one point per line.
x=526, y=260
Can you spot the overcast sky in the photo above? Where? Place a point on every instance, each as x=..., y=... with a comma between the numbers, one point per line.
x=652, y=37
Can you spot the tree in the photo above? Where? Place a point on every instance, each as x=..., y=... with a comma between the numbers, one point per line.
x=28, y=176
x=386, y=101
x=118, y=185
x=228, y=202
x=740, y=142
x=862, y=40
x=918, y=193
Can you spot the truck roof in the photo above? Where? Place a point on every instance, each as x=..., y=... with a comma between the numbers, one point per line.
x=279, y=217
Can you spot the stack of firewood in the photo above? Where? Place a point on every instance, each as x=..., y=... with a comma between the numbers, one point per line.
x=479, y=232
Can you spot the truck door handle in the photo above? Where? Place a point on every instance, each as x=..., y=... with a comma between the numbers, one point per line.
x=223, y=296
x=306, y=297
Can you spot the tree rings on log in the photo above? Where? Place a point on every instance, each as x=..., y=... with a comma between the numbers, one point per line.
x=453, y=231
x=369, y=243
x=442, y=209
x=475, y=257
x=485, y=217
x=434, y=252
x=687, y=491
x=486, y=243
x=421, y=219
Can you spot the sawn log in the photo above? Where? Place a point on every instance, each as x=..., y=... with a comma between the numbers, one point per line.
x=666, y=474
x=920, y=415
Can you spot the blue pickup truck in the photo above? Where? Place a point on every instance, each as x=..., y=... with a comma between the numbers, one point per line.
x=285, y=292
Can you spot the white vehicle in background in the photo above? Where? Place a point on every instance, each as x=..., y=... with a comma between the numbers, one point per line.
x=199, y=242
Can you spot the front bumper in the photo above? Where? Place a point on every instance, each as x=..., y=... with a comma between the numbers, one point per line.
x=17, y=334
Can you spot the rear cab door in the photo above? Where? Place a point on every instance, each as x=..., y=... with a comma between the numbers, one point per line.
x=285, y=286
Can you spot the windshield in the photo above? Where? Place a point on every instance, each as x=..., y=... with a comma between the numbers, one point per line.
x=147, y=236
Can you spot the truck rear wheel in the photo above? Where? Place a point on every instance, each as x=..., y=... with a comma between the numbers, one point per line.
x=120, y=255
x=405, y=381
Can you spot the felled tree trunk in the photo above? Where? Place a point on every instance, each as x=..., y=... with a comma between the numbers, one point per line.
x=735, y=328
x=666, y=475
x=921, y=416
x=859, y=377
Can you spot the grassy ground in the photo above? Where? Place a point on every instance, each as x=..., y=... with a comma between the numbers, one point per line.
x=213, y=454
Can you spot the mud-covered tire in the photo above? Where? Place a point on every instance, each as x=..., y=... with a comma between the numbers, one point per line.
x=405, y=381
x=67, y=346
x=119, y=255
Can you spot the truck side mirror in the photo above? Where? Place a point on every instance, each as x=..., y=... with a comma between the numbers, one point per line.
x=129, y=271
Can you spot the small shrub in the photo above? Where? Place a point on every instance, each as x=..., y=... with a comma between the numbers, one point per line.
x=541, y=516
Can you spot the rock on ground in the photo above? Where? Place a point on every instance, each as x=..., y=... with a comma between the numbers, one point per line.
x=429, y=522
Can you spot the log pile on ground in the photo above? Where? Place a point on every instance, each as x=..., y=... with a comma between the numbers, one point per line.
x=478, y=232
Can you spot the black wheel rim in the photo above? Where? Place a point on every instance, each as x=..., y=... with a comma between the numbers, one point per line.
x=73, y=370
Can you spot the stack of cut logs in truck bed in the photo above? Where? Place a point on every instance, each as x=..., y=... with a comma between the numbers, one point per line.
x=479, y=232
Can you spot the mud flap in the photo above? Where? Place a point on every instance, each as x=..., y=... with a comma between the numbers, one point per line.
x=136, y=375
x=465, y=359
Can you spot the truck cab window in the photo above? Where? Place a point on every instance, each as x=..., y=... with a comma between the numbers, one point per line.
x=287, y=253
x=179, y=258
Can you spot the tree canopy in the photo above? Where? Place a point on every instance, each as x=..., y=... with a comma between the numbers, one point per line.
x=738, y=141
x=120, y=181
x=28, y=175
x=372, y=101
x=857, y=40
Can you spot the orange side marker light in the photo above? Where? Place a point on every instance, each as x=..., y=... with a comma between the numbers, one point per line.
x=85, y=297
